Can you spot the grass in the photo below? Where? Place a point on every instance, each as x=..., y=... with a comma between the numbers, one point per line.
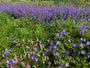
x=19, y=28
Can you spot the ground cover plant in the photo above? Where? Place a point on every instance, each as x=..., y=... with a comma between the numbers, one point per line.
x=26, y=41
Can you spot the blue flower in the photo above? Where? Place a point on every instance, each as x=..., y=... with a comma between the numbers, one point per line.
x=40, y=42
x=61, y=22
x=17, y=44
x=88, y=56
x=76, y=23
x=81, y=45
x=58, y=42
x=84, y=40
x=63, y=31
x=46, y=52
x=69, y=41
x=33, y=52
x=63, y=51
x=48, y=40
x=82, y=31
x=83, y=52
x=61, y=35
x=81, y=39
x=7, y=61
x=6, y=52
x=14, y=41
x=50, y=47
x=49, y=50
x=88, y=42
x=66, y=64
x=57, y=53
x=51, y=43
x=7, y=66
x=60, y=66
x=74, y=44
x=67, y=52
x=57, y=34
x=32, y=57
x=36, y=59
x=55, y=46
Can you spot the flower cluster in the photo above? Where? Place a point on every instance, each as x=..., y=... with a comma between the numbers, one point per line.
x=46, y=12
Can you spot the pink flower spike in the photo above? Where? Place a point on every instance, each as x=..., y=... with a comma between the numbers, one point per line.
x=43, y=61
x=11, y=65
x=49, y=62
x=21, y=57
x=23, y=64
x=28, y=55
x=28, y=66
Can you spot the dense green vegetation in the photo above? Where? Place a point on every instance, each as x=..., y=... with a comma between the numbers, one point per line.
x=25, y=41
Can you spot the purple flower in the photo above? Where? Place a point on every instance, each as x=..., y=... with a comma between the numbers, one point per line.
x=84, y=40
x=81, y=45
x=58, y=42
x=63, y=51
x=74, y=50
x=30, y=53
x=61, y=22
x=67, y=52
x=7, y=66
x=33, y=52
x=57, y=53
x=36, y=59
x=17, y=44
x=88, y=42
x=32, y=57
x=55, y=46
x=6, y=52
x=82, y=31
x=40, y=42
x=83, y=52
x=51, y=43
x=81, y=24
x=48, y=40
x=60, y=66
x=63, y=31
x=79, y=42
x=61, y=35
x=74, y=44
x=50, y=47
x=88, y=56
x=7, y=61
x=76, y=23
x=46, y=52
x=66, y=64
x=14, y=41
x=81, y=39
x=69, y=41
x=57, y=34
x=49, y=50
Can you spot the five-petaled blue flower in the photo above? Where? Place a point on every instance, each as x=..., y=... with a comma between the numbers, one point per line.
x=57, y=53
x=32, y=57
x=74, y=44
x=88, y=42
x=58, y=42
x=83, y=52
x=6, y=52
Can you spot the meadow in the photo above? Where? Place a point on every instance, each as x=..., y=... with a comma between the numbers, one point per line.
x=45, y=34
